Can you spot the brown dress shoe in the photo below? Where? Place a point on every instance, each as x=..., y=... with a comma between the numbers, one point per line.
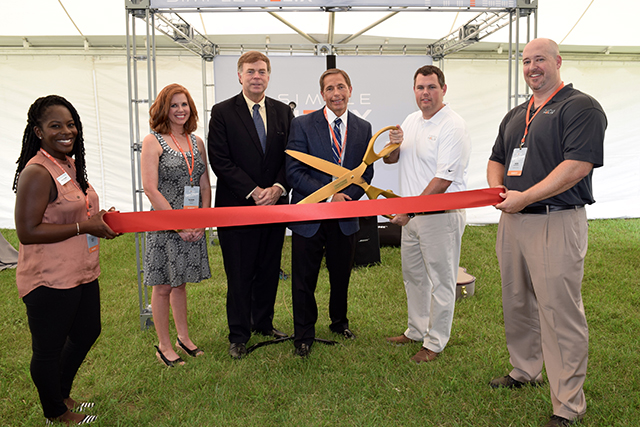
x=424, y=355
x=402, y=339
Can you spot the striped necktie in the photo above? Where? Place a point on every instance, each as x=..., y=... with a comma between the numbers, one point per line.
x=337, y=142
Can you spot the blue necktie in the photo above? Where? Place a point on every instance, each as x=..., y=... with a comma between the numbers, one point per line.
x=336, y=146
x=257, y=121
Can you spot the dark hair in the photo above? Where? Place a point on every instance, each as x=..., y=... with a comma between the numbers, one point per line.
x=427, y=70
x=31, y=143
x=334, y=71
x=251, y=57
x=159, y=111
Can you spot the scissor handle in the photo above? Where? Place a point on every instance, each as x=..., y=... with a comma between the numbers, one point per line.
x=371, y=156
x=375, y=192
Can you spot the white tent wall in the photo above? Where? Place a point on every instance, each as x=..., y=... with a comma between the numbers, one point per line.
x=477, y=90
x=80, y=79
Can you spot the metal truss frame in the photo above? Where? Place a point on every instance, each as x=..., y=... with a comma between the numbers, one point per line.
x=170, y=23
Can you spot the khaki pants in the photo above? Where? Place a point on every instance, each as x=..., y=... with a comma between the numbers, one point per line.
x=430, y=258
x=541, y=260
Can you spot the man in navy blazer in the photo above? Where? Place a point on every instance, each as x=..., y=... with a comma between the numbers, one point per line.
x=316, y=134
x=247, y=137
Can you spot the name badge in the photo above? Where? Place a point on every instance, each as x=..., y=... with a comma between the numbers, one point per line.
x=517, y=162
x=191, y=197
x=64, y=178
x=92, y=242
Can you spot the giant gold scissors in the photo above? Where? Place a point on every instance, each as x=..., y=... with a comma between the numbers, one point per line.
x=344, y=176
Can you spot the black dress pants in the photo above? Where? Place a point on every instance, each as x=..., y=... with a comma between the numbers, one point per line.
x=306, y=258
x=64, y=324
x=251, y=258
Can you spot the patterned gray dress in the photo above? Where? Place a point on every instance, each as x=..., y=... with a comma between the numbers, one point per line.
x=169, y=260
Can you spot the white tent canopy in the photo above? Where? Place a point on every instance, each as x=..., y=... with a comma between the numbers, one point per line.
x=77, y=51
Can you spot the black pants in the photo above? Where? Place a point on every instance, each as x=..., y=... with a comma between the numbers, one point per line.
x=64, y=324
x=306, y=258
x=251, y=258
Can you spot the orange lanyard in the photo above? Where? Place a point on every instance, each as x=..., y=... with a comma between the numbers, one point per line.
x=529, y=120
x=189, y=167
x=86, y=196
x=333, y=135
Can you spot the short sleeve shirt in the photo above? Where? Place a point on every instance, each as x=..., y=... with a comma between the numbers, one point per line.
x=571, y=126
x=436, y=148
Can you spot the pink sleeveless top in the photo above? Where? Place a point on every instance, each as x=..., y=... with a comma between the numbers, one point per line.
x=68, y=263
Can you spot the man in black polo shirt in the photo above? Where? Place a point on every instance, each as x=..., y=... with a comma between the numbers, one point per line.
x=543, y=157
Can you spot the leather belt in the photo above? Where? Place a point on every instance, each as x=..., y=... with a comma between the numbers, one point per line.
x=548, y=208
x=429, y=213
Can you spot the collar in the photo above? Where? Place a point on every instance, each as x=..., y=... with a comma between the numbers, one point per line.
x=331, y=116
x=560, y=96
x=250, y=103
x=437, y=117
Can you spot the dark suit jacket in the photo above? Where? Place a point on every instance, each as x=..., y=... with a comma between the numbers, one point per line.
x=310, y=134
x=235, y=153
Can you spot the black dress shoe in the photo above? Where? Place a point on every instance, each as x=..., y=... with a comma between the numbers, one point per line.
x=508, y=382
x=346, y=333
x=278, y=334
x=556, y=421
x=237, y=350
x=303, y=350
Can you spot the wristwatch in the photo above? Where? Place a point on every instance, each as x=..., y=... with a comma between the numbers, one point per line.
x=411, y=215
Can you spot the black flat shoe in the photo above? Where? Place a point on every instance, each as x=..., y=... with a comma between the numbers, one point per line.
x=193, y=353
x=167, y=362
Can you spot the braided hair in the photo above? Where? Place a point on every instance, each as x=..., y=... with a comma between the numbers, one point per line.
x=31, y=143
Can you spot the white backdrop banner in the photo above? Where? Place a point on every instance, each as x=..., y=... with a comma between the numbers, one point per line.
x=382, y=91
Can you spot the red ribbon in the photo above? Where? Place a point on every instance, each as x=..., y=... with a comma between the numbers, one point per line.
x=134, y=222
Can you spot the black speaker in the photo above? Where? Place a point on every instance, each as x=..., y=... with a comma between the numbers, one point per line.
x=367, y=243
x=389, y=234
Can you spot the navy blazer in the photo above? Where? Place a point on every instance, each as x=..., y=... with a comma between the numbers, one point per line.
x=310, y=134
x=235, y=153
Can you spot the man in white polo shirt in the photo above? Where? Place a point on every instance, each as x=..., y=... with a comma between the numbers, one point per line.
x=433, y=158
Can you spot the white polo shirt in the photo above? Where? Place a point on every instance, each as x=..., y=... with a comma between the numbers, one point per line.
x=439, y=147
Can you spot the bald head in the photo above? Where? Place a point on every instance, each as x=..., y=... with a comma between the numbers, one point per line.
x=548, y=45
x=541, y=62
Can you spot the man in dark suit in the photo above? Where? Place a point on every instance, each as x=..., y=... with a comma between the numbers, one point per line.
x=334, y=134
x=247, y=138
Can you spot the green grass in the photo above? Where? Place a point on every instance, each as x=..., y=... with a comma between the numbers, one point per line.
x=365, y=382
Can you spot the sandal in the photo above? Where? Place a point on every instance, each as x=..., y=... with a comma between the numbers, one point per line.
x=79, y=406
x=88, y=419
x=193, y=353
x=167, y=362
x=82, y=406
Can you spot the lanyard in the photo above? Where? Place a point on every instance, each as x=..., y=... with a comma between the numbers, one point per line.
x=333, y=135
x=529, y=120
x=86, y=196
x=189, y=167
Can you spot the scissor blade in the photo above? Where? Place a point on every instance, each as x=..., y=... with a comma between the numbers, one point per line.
x=350, y=177
x=327, y=191
x=318, y=163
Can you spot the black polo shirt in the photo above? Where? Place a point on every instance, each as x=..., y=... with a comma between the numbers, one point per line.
x=570, y=127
